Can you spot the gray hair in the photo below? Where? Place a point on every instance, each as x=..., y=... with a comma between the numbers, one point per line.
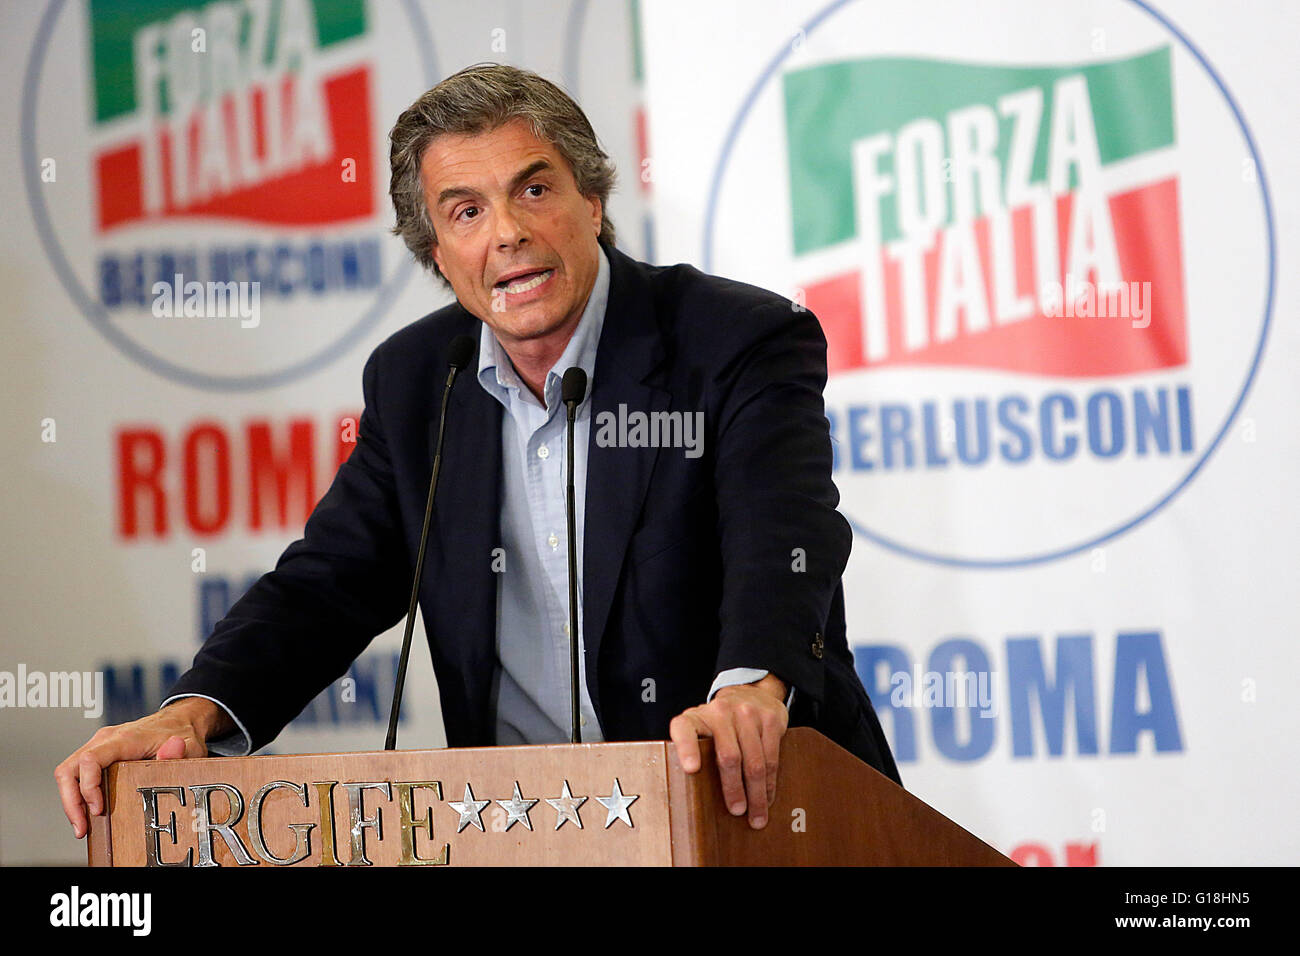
x=479, y=99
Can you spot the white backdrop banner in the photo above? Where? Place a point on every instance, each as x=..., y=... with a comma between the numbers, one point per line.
x=1043, y=240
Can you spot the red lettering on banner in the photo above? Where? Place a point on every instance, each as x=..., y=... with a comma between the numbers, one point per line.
x=1032, y=854
x=135, y=476
x=296, y=466
x=197, y=485
x=1037, y=854
x=1081, y=854
x=207, y=478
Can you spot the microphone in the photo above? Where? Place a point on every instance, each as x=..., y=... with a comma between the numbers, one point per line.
x=459, y=352
x=573, y=388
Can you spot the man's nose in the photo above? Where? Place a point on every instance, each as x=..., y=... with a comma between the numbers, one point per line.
x=511, y=229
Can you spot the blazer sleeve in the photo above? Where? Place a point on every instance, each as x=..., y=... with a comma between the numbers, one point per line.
x=784, y=545
x=301, y=625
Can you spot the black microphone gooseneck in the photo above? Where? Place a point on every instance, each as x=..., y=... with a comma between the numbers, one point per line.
x=458, y=355
x=573, y=388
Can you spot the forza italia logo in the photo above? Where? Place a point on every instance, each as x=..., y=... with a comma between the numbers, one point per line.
x=1043, y=261
x=229, y=110
x=230, y=146
x=981, y=214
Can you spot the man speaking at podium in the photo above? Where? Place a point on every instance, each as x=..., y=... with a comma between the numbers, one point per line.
x=709, y=566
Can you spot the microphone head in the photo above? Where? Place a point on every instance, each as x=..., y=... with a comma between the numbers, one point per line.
x=460, y=351
x=573, y=387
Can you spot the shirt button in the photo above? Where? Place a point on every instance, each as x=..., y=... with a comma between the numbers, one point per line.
x=543, y=453
x=553, y=541
x=566, y=630
x=583, y=720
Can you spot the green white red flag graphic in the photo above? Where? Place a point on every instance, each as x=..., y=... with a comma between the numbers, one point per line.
x=247, y=111
x=994, y=217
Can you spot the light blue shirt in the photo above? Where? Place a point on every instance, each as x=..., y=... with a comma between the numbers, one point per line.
x=531, y=684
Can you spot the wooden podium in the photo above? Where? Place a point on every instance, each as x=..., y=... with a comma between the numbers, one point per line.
x=571, y=805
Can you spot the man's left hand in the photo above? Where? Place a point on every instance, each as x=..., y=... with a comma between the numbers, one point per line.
x=746, y=722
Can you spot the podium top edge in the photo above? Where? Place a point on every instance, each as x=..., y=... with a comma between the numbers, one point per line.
x=495, y=751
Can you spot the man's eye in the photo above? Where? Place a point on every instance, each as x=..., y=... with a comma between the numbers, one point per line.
x=469, y=212
x=539, y=187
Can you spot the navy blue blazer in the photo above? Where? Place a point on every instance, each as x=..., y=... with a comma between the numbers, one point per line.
x=691, y=565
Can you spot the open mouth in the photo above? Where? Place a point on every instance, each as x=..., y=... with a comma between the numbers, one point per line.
x=524, y=283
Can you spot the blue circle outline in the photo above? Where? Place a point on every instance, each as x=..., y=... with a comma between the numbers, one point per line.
x=715, y=187
x=98, y=315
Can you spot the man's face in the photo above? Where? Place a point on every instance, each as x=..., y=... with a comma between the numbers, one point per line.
x=516, y=239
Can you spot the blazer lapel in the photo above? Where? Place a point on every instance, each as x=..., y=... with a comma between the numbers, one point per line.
x=467, y=527
x=630, y=350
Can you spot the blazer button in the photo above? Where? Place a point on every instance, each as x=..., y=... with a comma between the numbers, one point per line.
x=818, y=646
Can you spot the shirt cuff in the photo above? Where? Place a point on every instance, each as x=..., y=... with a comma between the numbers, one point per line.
x=230, y=745
x=743, y=675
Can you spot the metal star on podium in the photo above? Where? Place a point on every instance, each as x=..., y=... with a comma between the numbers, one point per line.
x=616, y=803
x=470, y=810
x=566, y=806
x=517, y=809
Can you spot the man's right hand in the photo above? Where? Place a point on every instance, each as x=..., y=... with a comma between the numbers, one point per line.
x=181, y=729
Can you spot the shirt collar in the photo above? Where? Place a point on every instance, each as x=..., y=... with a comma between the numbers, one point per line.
x=498, y=376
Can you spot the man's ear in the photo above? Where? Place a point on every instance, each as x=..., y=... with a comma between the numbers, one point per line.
x=597, y=213
x=437, y=255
